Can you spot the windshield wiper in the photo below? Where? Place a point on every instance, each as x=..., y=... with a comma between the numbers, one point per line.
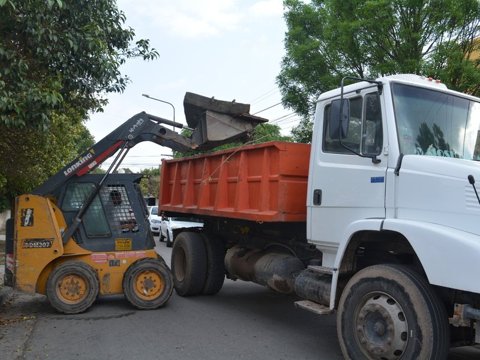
x=471, y=180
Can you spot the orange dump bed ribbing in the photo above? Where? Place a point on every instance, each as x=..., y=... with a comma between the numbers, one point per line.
x=264, y=182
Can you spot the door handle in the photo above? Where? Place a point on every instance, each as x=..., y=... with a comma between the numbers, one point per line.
x=317, y=197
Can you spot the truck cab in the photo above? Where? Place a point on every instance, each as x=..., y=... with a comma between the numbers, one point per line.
x=425, y=139
x=392, y=181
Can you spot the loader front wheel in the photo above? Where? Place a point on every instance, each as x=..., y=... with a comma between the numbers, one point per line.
x=148, y=284
x=72, y=287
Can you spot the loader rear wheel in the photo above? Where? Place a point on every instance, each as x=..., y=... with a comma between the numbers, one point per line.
x=72, y=287
x=189, y=263
x=148, y=284
x=215, y=264
x=390, y=312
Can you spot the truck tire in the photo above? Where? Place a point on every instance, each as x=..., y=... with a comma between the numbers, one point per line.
x=72, y=287
x=169, y=241
x=189, y=263
x=390, y=312
x=215, y=264
x=148, y=284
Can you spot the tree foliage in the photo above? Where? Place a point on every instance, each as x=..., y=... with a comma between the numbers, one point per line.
x=302, y=133
x=61, y=53
x=28, y=157
x=58, y=59
x=329, y=39
x=150, y=184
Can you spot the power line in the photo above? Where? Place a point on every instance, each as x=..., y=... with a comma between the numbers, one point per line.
x=264, y=96
x=283, y=117
x=258, y=112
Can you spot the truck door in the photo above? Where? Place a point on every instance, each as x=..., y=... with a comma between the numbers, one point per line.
x=345, y=187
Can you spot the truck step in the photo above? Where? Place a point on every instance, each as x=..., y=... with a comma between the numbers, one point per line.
x=322, y=269
x=313, y=307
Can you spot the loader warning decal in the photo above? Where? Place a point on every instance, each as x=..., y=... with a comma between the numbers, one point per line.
x=37, y=243
x=27, y=217
x=123, y=244
x=99, y=258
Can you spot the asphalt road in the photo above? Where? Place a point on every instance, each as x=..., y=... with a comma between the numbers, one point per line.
x=243, y=321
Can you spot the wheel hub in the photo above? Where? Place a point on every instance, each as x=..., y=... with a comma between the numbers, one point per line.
x=149, y=285
x=72, y=288
x=382, y=328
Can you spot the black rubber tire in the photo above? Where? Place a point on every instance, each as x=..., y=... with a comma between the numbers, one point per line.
x=157, y=274
x=189, y=263
x=391, y=312
x=215, y=276
x=169, y=242
x=55, y=287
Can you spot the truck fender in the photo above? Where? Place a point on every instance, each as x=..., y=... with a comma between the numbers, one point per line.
x=449, y=256
x=353, y=228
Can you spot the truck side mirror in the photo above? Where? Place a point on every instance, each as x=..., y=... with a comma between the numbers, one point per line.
x=339, y=120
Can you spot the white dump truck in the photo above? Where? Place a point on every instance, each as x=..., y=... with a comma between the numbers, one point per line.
x=378, y=220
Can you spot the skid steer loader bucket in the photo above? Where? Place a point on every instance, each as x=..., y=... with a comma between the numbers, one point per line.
x=216, y=122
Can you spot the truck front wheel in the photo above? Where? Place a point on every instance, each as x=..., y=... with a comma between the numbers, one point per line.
x=390, y=312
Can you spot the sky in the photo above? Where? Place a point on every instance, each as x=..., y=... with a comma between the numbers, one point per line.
x=229, y=49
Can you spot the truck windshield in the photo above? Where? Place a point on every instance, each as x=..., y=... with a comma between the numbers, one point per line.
x=434, y=123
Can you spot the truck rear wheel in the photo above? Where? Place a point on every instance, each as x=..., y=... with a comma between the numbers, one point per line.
x=390, y=312
x=72, y=287
x=148, y=284
x=215, y=264
x=169, y=242
x=189, y=263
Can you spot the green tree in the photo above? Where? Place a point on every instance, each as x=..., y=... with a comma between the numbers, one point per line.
x=150, y=184
x=268, y=132
x=329, y=39
x=28, y=157
x=303, y=131
x=58, y=60
x=61, y=53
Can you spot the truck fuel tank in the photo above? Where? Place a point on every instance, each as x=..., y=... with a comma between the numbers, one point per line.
x=275, y=270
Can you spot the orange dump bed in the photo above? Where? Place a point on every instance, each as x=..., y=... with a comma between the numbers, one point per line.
x=264, y=182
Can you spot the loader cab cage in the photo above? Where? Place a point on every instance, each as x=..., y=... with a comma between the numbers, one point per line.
x=116, y=218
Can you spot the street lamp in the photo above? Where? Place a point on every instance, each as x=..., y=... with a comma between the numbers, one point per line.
x=163, y=101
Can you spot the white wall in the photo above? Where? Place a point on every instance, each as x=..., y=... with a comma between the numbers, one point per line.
x=3, y=218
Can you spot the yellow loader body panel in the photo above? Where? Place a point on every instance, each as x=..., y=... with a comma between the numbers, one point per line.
x=39, y=249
